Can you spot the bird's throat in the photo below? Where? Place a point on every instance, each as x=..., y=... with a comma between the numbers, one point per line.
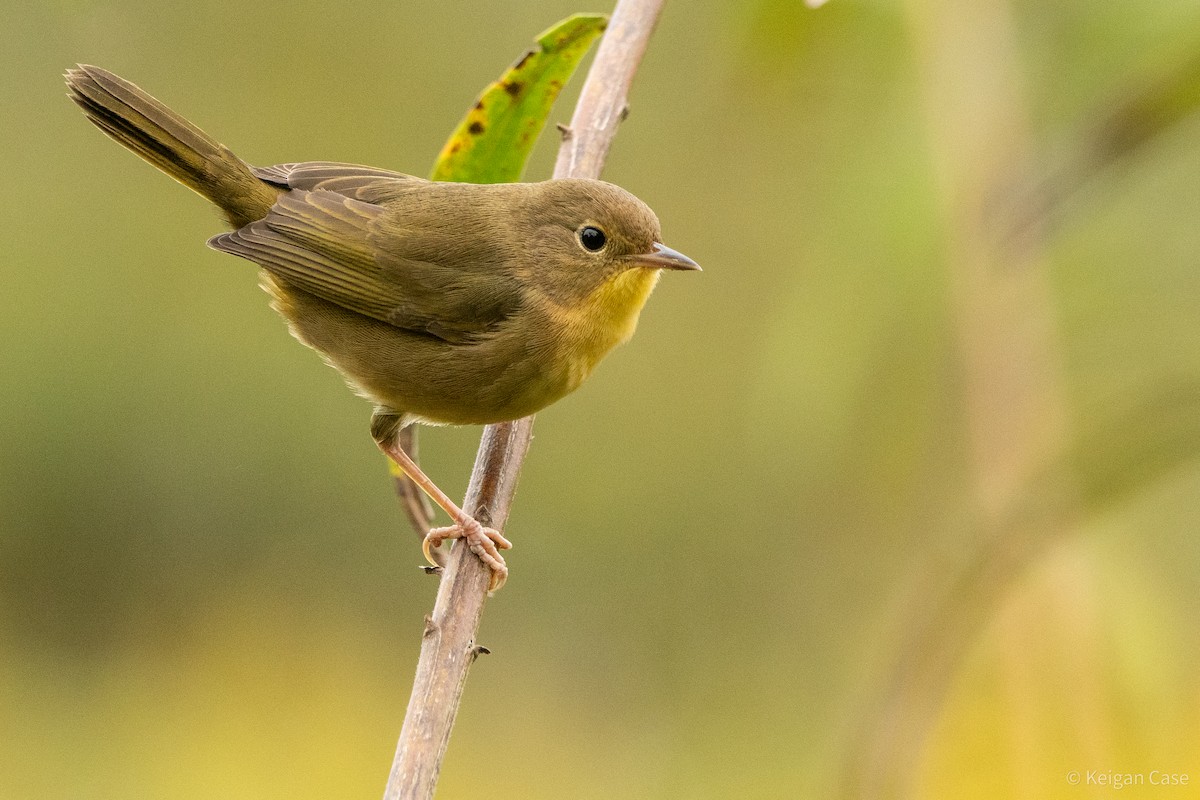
x=585, y=332
x=615, y=306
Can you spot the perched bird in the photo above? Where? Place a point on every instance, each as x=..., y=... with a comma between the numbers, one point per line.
x=442, y=303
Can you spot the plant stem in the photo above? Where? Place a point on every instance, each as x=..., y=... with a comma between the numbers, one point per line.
x=448, y=645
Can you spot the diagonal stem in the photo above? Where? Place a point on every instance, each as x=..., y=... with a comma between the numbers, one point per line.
x=448, y=644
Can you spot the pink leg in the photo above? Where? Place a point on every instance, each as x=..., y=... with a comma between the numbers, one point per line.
x=483, y=542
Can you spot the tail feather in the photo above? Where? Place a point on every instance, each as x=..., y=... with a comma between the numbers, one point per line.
x=145, y=126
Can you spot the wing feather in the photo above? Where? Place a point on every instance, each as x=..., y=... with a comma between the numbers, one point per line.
x=369, y=184
x=331, y=246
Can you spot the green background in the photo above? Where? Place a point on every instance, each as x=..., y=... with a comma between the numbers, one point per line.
x=834, y=454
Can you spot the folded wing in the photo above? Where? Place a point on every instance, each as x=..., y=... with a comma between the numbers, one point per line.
x=338, y=248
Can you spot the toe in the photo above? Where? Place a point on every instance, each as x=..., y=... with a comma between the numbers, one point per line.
x=427, y=544
x=499, y=578
x=487, y=553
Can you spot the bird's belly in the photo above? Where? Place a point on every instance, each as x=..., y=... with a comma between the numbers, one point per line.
x=501, y=377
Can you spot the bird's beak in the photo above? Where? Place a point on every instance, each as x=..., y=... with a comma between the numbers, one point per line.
x=663, y=257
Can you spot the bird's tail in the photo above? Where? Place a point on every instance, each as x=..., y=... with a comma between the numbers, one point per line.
x=171, y=143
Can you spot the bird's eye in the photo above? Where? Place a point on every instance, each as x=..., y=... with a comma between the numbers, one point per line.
x=592, y=238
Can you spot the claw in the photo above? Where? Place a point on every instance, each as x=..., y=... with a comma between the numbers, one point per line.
x=486, y=543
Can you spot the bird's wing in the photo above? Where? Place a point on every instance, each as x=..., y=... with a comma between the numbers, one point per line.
x=369, y=184
x=330, y=245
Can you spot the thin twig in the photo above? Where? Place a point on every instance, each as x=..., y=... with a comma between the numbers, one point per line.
x=448, y=647
x=603, y=99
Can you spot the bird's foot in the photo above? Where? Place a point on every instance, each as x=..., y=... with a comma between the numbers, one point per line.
x=483, y=542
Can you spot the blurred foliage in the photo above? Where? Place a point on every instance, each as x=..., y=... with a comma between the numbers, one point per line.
x=731, y=540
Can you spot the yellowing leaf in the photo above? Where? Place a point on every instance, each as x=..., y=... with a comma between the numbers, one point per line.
x=493, y=142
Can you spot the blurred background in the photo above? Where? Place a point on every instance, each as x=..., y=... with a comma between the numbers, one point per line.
x=897, y=499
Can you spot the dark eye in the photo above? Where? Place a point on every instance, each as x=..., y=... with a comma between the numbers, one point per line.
x=592, y=238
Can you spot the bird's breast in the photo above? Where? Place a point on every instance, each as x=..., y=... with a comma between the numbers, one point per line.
x=585, y=332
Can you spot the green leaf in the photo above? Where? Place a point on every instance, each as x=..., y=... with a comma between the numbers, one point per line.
x=494, y=140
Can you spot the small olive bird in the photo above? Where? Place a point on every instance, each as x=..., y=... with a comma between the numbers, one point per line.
x=442, y=303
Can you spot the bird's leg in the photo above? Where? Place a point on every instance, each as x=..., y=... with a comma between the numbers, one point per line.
x=414, y=501
x=486, y=543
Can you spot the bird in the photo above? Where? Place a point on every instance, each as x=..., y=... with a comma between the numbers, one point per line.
x=441, y=303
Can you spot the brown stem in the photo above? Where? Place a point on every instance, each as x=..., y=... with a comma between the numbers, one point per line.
x=448, y=645
x=602, y=103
